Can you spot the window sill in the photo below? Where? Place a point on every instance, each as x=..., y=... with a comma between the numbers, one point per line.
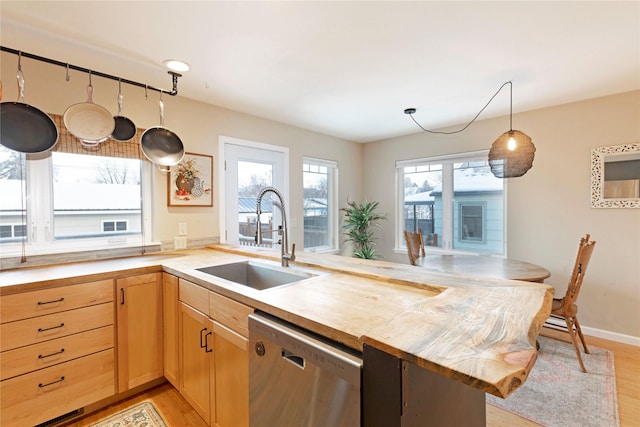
x=12, y=262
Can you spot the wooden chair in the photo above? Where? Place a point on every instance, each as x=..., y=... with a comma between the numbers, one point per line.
x=415, y=246
x=566, y=307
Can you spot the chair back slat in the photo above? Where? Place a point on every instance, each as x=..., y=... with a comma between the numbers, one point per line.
x=585, y=249
x=415, y=245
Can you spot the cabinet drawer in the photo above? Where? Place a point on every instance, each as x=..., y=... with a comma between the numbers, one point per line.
x=45, y=394
x=230, y=313
x=54, y=300
x=44, y=328
x=194, y=295
x=38, y=356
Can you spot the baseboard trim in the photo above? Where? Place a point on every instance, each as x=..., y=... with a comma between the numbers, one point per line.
x=599, y=333
x=612, y=336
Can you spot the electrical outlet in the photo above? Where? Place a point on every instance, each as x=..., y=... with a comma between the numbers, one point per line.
x=180, y=243
x=182, y=229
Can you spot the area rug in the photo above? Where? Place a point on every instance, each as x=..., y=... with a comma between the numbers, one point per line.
x=141, y=415
x=558, y=393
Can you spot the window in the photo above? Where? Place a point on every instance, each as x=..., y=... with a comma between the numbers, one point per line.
x=472, y=221
x=67, y=201
x=114, y=226
x=11, y=230
x=319, y=179
x=455, y=200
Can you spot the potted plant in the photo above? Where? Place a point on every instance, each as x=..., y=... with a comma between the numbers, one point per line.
x=359, y=220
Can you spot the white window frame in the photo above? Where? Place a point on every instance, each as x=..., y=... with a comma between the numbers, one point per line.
x=332, y=200
x=39, y=216
x=447, y=162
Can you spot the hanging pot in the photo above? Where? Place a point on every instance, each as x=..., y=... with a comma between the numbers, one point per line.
x=124, y=129
x=89, y=122
x=160, y=145
x=25, y=128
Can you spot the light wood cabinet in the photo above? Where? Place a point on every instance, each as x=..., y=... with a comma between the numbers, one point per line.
x=231, y=379
x=171, y=312
x=140, y=330
x=195, y=359
x=57, y=351
x=214, y=355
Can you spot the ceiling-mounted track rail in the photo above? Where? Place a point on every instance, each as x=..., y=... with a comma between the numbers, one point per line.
x=68, y=66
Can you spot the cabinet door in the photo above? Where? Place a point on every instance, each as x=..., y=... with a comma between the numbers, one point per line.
x=171, y=311
x=231, y=359
x=140, y=350
x=195, y=359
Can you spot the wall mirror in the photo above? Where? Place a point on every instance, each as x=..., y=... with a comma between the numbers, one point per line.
x=615, y=176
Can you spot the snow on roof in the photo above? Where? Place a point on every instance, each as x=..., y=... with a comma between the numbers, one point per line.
x=77, y=196
x=473, y=183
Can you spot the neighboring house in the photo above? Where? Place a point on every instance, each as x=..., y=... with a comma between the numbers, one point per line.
x=247, y=218
x=80, y=209
x=477, y=213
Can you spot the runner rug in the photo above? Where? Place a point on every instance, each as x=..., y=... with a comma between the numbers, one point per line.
x=558, y=393
x=141, y=415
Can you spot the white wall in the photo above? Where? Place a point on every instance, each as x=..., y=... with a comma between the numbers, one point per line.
x=549, y=207
x=198, y=125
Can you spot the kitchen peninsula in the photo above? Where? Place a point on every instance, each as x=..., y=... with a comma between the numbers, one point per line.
x=475, y=332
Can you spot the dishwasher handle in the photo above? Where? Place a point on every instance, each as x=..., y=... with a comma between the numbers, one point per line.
x=292, y=358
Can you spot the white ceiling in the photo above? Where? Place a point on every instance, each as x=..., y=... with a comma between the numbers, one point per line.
x=348, y=68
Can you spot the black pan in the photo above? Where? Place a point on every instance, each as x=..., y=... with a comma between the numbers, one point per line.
x=160, y=145
x=25, y=128
x=125, y=129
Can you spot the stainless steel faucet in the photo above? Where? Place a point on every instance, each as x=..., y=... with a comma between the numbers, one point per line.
x=285, y=255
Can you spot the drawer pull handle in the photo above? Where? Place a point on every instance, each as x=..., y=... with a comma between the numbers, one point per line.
x=40, y=356
x=51, y=383
x=53, y=327
x=50, y=302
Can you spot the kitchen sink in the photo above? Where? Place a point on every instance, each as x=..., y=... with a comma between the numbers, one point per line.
x=259, y=275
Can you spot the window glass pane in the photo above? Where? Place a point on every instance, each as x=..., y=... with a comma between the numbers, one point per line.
x=316, y=207
x=6, y=231
x=471, y=222
x=12, y=203
x=478, y=209
x=90, y=190
x=19, y=230
x=423, y=202
x=253, y=177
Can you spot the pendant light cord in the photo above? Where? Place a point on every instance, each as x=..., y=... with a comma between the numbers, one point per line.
x=411, y=111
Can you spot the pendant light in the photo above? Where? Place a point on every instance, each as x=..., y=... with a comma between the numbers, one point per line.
x=511, y=155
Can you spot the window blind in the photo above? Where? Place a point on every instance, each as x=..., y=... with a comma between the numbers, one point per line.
x=67, y=143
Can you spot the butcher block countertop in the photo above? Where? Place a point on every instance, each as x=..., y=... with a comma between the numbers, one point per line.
x=478, y=331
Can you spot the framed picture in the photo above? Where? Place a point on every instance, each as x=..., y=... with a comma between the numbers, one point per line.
x=191, y=181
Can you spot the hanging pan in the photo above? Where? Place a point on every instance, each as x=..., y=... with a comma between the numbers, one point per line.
x=160, y=145
x=25, y=128
x=124, y=128
x=89, y=122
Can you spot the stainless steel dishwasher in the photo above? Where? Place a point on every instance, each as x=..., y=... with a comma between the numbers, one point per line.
x=297, y=379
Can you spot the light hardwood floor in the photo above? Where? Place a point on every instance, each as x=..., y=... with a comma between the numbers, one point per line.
x=176, y=412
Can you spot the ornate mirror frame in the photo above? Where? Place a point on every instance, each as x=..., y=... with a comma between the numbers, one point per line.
x=598, y=157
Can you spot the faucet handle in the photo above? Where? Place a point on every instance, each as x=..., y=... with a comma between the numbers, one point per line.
x=292, y=257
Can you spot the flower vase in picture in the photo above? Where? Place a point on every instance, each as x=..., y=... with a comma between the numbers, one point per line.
x=190, y=181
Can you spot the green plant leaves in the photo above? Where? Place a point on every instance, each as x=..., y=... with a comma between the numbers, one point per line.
x=358, y=220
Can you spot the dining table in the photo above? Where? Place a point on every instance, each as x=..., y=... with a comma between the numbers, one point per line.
x=485, y=266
